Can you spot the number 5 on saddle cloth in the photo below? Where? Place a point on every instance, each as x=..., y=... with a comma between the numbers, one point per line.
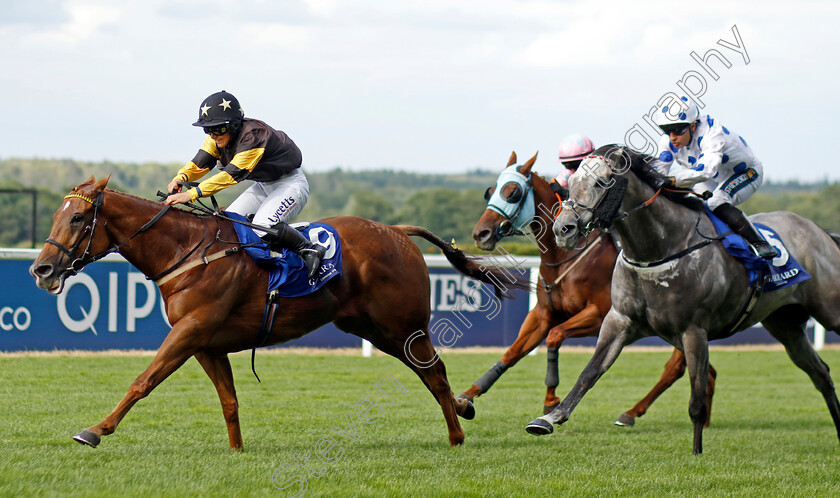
x=779, y=272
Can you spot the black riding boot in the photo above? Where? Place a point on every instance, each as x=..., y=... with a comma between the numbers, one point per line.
x=736, y=220
x=292, y=239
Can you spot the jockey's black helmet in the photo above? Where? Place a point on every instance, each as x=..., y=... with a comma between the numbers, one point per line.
x=219, y=108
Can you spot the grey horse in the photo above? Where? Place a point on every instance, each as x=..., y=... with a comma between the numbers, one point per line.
x=675, y=280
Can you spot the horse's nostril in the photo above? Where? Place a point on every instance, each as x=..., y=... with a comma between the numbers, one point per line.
x=567, y=229
x=482, y=235
x=43, y=270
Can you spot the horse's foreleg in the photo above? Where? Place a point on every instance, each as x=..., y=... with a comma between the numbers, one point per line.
x=175, y=350
x=615, y=333
x=585, y=323
x=531, y=333
x=696, y=349
x=674, y=370
x=220, y=373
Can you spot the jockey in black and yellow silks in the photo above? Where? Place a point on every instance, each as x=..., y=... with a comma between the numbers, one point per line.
x=249, y=149
x=258, y=153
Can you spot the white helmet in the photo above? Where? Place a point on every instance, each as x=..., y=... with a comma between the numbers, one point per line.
x=685, y=114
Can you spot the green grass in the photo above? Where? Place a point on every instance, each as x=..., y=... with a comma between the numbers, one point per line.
x=771, y=433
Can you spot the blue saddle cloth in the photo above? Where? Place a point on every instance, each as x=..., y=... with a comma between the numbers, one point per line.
x=784, y=270
x=286, y=270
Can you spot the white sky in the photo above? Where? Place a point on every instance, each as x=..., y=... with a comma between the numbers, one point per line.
x=426, y=86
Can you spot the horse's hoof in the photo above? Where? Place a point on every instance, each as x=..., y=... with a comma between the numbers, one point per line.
x=625, y=420
x=469, y=411
x=464, y=396
x=550, y=408
x=87, y=437
x=540, y=427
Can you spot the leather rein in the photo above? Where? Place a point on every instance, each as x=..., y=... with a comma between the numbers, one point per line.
x=76, y=265
x=607, y=223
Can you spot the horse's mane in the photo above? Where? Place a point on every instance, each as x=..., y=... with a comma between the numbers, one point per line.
x=155, y=203
x=640, y=165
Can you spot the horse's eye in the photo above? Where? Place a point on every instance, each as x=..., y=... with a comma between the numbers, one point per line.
x=512, y=192
x=76, y=219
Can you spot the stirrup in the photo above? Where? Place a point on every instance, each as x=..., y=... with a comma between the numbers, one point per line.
x=312, y=257
x=764, y=250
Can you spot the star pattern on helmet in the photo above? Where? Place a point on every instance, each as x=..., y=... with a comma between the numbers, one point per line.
x=204, y=109
x=225, y=104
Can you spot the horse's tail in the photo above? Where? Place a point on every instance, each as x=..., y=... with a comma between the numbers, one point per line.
x=502, y=279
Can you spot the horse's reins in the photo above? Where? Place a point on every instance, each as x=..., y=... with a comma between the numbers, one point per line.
x=755, y=290
x=176, y=269
x=85, y=259
x=594, y=224
x=218, y=213
x=577, y=259
x=167, y=275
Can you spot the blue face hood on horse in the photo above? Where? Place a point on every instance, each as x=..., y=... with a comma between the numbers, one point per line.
x=517, y=205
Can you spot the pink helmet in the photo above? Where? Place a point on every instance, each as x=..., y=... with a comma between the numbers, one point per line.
x=574, y=147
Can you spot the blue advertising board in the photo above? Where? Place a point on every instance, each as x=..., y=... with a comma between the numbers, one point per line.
x=110, y=305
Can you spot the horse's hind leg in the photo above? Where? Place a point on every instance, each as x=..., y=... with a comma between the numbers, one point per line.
x=218, y=369
x=788, y=326
x=418, y=353
x=674, y=369
x=531, y=333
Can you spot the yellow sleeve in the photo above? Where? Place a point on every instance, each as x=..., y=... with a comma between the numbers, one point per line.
x=190, y=172
x=212, y=185
x=203, y=161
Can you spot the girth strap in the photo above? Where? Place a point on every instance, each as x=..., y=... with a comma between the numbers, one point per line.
x=192, y=264
x=265, y=327
x=755, y=292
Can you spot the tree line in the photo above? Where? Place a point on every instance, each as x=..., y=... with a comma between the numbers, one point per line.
x=448, y=205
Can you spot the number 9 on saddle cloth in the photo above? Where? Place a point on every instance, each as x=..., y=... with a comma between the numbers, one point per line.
x=287, y=271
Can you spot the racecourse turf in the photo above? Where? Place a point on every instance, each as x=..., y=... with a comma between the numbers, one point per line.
x=771, y=433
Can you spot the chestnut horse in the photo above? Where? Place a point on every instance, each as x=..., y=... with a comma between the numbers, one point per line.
x=216, y=307
x=574, y=294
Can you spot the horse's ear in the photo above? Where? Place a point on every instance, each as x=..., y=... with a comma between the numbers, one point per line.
x=525, y=169
x=512, y=159
x=100, y=185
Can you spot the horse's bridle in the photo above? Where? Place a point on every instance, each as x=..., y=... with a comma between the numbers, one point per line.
x=598, y=222
x=615, y=193
x=77, y=264
x=507, y=227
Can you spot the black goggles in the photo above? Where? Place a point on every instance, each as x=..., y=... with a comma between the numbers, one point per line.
x=217, y=130
x=676, y=129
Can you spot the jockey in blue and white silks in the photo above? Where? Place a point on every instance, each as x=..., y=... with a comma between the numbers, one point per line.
x=710, y=157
